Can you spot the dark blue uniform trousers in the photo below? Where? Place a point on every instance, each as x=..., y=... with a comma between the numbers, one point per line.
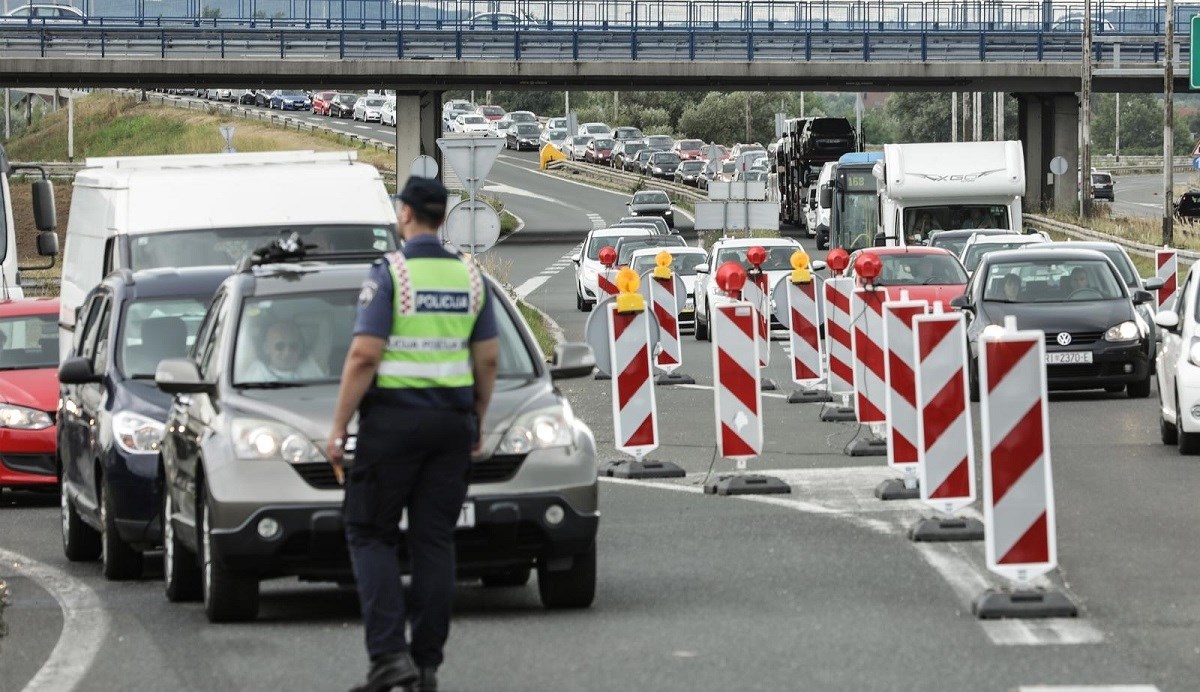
x=419, y=460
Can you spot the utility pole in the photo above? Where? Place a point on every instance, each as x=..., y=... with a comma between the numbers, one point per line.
x=566, y=107
x=954, y=116
x=858, y=117
x=802, y=104
x=748, y=129
x=1085, y=117
x=616, y=106
x=70, y=127
x=978, y=105
x=7, y=113
x=1117, y=111
x=1168, y=230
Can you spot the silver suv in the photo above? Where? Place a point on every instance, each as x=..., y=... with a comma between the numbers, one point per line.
x=248, y=494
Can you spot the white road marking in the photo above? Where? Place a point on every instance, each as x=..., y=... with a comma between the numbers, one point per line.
x=84, y=629
x=708, y=387
x=1087, y=688
x=534, y=283
x=597, y=221
x=848, y=494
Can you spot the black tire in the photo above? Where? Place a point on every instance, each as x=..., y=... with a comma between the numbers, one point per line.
x=81, y=543
x=1139, y=389
x=1115, y=389
x=1167, y=432
x=508, y=577
x=119, y=559
x=1188, y=443
x=181, y=572
x=701, y=330
x=973, y=381
x=570, y=588
x=227, y=597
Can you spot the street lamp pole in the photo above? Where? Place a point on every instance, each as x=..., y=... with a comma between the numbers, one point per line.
x=1085, y=119
x=1168, y=230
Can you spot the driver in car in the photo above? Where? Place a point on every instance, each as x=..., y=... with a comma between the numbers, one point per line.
x=1079, y=280
x=283, y=356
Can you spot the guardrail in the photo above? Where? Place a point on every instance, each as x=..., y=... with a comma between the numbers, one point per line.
x=1131, y=16
x=630, y=180
x=1045, y=223
x=578, y=44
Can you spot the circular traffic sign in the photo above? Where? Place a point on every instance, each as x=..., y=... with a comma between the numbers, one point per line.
x=596, y=334
x=471, y=227
x=424, y=167
x=1058, y=165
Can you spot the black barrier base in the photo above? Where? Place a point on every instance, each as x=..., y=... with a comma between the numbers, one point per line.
x=867, y=448
x=602, y=376
x=646, y=468
x=747, y=484
x=674, y=378
x=838, y=414
x=767, y=385
x=946, y=530
x=893, y=489
x=809, y=396
x=995, y=604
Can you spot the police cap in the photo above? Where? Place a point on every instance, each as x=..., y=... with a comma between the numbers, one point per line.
x=425, y=195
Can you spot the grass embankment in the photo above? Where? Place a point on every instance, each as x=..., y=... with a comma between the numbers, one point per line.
x=508, y=221
x=109, y=124
x=541, y=330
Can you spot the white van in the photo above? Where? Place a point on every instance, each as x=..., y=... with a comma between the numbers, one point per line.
x=44, y=218
x=144, y=212
x=817, y=216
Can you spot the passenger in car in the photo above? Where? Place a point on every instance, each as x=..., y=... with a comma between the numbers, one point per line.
x=283, y=356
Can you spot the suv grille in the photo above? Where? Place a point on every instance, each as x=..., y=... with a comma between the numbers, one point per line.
x=497, y=469
x=1077, y=338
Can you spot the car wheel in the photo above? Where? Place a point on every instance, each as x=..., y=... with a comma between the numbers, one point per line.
x=181, y=574
x=973, y=381
x=1188, y=443
x=574, y=587
x=81, y=543
x=227, y=597
x=1115, y=389
x=120, y=560
x=579, y=302
x=701, y=330
x=1139, y=389
x=508, y=577
x=1167, y=432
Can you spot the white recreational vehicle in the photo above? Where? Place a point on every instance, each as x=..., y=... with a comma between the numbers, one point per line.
x=944, y=186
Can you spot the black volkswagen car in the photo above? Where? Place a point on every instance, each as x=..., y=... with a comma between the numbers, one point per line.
x=111, y=413
x=342, y=105
x=1094, y=339
x=652, y=203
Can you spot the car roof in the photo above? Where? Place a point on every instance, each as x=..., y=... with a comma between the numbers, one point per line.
x=751, y=242
x=1006, y=238
x=28, y=306
x=1083, y=245
x=626, y=230
x=907, y=250
x=170, y=281
x=287, y=278
x=673, y=249
x=968, y=232
x=1043, y=254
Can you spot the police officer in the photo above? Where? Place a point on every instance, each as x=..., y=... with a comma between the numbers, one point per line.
x=420, y=371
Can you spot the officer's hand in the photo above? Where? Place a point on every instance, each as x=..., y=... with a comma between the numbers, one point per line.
x=335, y=454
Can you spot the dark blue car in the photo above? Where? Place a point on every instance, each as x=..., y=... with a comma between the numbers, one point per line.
x=111, y=413
x=289, y=100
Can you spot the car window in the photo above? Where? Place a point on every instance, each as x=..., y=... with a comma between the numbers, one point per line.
x=778, y=257
x=660, y=141
x=100, y=352
x=85, y=329
x=515, y=361
x=910, y=269
x=225, y=246
x=625, y=251
x=1051, y=281
x=978, y=250
x=155, y=330
x=683, y=264
x=28, y=342
x=597, y=243
x=1124, y=267
x=651, y=198
x=290, y=338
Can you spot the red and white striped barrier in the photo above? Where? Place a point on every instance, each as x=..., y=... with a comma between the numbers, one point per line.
x=664, y=299
x=870, y=378
x=758, y=295
x=808, y=357
x=1018, y=491
x=945, y=443
x=738, y=399
x=1167, y=262
x=606, y=284
x=901, y=395
x=635, y=417
x=837, y=335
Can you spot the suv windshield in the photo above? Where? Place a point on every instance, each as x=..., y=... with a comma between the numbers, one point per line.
x=28, y=342
x=1051, y=281
x=221, y=246
x=912, y=269
x=520, y=117
x=978, y=250
x=778, y=256
x=660, y=141
x=598, y=243
x=682, y=263
x=155, y=330
x=665, y=157
x=628, y=246
x=651, y=198
x=527, y=129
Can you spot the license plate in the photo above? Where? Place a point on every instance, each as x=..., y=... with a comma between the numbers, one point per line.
x=1069, y=358
x=466, y=517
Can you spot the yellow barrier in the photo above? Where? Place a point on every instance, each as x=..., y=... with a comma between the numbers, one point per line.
x=551, y=153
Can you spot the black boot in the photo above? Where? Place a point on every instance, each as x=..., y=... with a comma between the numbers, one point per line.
x=427, y=682
x=388, y=671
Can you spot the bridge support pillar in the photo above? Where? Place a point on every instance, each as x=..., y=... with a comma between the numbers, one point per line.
x=418, y=126
x=1049, y=126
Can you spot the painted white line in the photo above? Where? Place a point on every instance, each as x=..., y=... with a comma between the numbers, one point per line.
x=530, y=285
x=708, y=387
x=84, y=629
x=1087, y=688
x=597, y=221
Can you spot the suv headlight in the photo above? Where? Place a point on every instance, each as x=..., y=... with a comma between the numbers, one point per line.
x=540, y=429
x=668, y=212
x=137, y=434
x=16, y=417
x=992, y=331
x=261, y=440
x=1126, y=331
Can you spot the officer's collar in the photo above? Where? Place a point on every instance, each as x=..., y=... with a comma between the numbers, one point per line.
x=424, y=239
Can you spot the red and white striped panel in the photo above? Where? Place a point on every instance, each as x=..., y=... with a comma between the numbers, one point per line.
x=1018, y=493
x=901, y=397
x=737, y=395
x=606, y=284
x=870, y=377
x=837, y=335
x=635, y=418
x=666, y=310
x=758, y=294
x=1167, y=262
x=807, y=354
x=945, y=444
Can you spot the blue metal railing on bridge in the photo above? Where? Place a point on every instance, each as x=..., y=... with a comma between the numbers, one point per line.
x=1111, y=18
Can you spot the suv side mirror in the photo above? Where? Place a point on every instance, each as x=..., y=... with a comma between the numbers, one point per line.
x=47, y=243
x=1167, y=319
x=180, y=376
x=701, y=268
x=77, y=370
x=44, y=216
x=1142, y=297
x=818, y=265
x=1152, y=284
x=826, y=196
x=960, y=302
x=572, y=360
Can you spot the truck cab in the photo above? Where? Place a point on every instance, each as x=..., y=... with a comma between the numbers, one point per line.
x=44, y=219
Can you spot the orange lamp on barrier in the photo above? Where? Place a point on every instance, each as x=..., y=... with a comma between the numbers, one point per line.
x=608, y=256
x=731, y=277
x=629, y=300
x=801, y=274
x=663, y=270
x=756, y=256
x=867, y=267
x=838, y=259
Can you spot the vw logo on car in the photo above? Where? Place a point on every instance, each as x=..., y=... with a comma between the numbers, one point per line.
x=1064, y=339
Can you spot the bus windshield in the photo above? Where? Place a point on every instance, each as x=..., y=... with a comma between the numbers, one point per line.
x=856, y=219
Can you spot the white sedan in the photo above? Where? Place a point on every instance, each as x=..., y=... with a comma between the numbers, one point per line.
x=369, y=109
x=684, y=261
x=472, y=123
x=587, y=263
x=1177, y=368
x=707, y=293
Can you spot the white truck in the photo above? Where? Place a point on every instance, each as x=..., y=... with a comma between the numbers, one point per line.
x=945, y=186
x=44, y=218
x=149, y=212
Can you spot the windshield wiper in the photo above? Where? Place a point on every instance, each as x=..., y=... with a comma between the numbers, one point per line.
x=270, y=385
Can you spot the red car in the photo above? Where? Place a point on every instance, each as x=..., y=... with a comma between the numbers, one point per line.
x=599, y=151
x=28, y=392
x=492, y=113
x=689, y=149
x=927, y=273
x=321, y=101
